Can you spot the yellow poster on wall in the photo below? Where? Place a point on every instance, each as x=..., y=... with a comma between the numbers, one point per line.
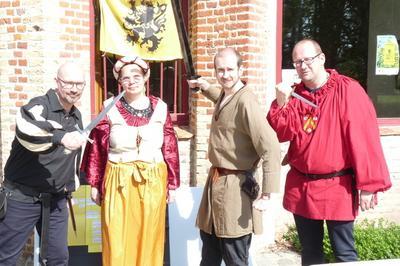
x=78, y=238
x=93, y=224
x=88, y=221
x=387, y=55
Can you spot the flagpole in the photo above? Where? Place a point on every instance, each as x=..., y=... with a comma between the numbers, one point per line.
x=184, y=40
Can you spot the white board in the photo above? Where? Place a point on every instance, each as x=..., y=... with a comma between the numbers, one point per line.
x=184, y=238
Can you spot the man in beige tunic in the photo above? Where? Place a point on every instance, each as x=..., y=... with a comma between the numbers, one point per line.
x=239, y=137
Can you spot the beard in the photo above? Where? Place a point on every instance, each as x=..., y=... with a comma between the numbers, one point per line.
x=71, y=99
x=68, y=99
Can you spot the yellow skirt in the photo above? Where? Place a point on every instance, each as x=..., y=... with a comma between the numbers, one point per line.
x=133, y=214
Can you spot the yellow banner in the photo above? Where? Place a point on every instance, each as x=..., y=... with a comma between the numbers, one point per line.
x=143, y=27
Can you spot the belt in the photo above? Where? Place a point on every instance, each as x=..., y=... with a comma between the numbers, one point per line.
x=24, y=190
x=218, y=171
x=224, y=171
x=348, y=171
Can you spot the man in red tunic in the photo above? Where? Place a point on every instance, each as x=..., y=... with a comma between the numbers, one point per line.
x=336, y=159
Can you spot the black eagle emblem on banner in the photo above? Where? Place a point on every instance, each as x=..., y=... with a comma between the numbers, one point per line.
x=145, y=24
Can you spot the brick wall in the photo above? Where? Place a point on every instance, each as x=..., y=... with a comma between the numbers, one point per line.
x=184, y=159
x=250, y=27
x=36, y=36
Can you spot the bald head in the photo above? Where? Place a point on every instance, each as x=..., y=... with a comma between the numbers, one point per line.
x=70, y=84
x=228, y=52
x=71, y=71
x=309, y=62
x=308, y=44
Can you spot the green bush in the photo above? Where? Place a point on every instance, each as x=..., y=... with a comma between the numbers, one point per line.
x=375, y=240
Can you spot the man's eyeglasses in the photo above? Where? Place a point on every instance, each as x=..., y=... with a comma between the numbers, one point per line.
x=69, y=84
x=308, y=61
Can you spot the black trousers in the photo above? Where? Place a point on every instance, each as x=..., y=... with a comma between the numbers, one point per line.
x=311, y=234
x=234, y=251
x=18, y=225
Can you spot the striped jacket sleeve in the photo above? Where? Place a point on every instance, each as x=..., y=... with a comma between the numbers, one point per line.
x=34, y=131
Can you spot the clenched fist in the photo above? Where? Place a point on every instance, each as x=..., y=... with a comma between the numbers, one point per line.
x=73, y=140
x=199, y=83
x=283, y=92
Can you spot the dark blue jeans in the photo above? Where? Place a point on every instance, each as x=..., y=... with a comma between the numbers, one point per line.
x=18, y=225
x=234, y=251
x=311, y=234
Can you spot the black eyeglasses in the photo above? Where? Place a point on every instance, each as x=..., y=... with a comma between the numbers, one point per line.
x=70, y=84
x=308, y=61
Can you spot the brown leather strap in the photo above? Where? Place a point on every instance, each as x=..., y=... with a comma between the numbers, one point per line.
x=223, y=171
x=214, y=174
x=45, y=198
x=348, y=171
x=218, y=171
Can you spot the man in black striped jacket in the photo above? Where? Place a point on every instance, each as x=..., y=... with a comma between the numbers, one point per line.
x=42, y=170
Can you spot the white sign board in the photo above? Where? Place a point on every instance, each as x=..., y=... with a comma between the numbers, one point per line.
x=184, y=238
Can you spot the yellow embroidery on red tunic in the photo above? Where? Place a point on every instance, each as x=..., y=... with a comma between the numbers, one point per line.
x=310, y=123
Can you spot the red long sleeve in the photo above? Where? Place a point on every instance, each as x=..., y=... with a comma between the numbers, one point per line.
x=171, y=155
x=341, y=133
x=96, y=155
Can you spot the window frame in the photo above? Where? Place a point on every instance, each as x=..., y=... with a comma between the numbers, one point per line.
x=97, y=92
x=382, y=121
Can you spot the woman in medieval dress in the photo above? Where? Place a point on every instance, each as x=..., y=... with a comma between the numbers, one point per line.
x=132, y=165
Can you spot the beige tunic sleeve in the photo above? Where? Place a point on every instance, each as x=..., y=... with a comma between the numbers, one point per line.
x=212, y=93
x=266, y=144
x=271, y=162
